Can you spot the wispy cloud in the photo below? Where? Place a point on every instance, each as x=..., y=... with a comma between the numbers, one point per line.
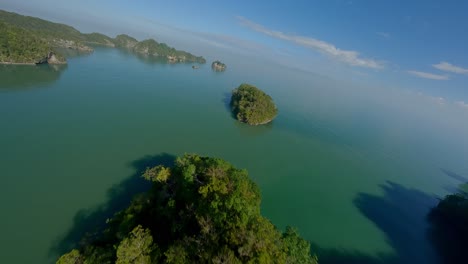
x=384, y=35
x=462, y=104
x=427, y=75
x=448, y=67
x=347, y=56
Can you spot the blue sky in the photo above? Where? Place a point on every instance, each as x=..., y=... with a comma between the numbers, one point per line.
x=416, y=45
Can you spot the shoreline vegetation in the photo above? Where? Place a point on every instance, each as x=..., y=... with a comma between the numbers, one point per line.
x=28, y=40
x=252, y=106
x=201, y=210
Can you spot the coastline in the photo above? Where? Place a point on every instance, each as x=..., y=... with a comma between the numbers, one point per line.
x=18, y=63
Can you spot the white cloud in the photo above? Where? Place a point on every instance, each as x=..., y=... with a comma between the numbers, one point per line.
x=445, y=66
x=384, y=35
x=347, y=56
x=462, y=104
x=427, y=75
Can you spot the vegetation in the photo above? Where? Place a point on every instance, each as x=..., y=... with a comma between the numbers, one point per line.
x=25, y=38
x=125, y=41
x=152, y=47
x=98, y=39
x=18, y=45
x=252, y=106
x=44, y=28
x=449, y=230
x=218, y=66
x=202, y=210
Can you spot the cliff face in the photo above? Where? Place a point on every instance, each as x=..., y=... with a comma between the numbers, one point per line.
x=218, y=66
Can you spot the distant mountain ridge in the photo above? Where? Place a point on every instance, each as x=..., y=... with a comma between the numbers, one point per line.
x=30, y=40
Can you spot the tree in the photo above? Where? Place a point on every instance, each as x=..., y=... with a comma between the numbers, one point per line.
x=72, y=257
x=201, y=210
x=252, y=106
x=297, y=249
x=136, y=248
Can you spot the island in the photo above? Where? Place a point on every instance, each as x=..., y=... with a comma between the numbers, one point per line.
x=218, y=66
x=201, y=210
x=252, y=106
x=30, y=40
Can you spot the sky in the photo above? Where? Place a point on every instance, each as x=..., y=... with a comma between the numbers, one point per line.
x=416, y=45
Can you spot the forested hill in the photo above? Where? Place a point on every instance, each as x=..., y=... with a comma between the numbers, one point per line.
x=201, y=210
x=28, y=39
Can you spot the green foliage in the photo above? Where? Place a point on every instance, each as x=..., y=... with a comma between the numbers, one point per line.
x=18, y=45
x=26, y=39
x=72, y=257
x=297, y=248
x=41, y=27
x=137, y=247
x=252, y=106
x=153, y=48
x=202, y=210
x=124, y=41
x=99, y=39
x=157, y=174
x=449, y=230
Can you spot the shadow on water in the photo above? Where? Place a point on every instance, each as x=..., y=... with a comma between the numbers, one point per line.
x=401, y=214
x=20, y=77
x=119, y=196
x=227, y=104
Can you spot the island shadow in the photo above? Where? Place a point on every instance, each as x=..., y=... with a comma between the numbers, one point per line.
x=401, y=214
x=22, y=77
x=89, y=221
x=227, y=104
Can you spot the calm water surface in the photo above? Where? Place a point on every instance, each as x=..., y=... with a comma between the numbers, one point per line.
x=354, y=169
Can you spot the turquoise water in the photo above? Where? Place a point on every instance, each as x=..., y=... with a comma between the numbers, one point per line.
x=354, y=168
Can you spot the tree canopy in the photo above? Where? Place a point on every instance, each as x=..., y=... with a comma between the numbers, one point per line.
x=252, y=106
x=202, y=210
x=449, y=227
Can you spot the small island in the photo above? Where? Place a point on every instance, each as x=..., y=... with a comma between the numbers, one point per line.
x=252, y=106
x=218, y=66
x=201, y=210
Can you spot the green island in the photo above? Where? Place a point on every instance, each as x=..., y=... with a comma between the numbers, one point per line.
x=449, y=226
x=218, y=66
x=30, y=40
x=252, y=106
x=201, y=210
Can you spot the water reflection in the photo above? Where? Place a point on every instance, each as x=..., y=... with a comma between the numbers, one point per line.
x=16, y=77
x=73, y=53
x=149, y=60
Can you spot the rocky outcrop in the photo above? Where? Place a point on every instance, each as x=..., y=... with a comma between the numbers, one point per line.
x=52, y=58
x=218, y=66
x=70, y=44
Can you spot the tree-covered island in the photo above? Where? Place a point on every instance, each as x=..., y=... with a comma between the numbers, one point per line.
x=202, y=210
x=252, y=106
x=218, y=66
x=30, y=40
